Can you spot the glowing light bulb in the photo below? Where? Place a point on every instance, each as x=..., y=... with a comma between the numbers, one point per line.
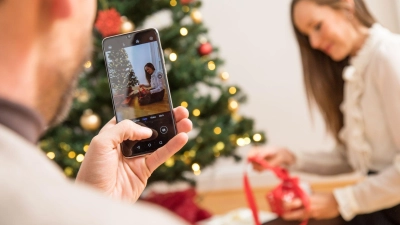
x=232, y=90
x=195, y=167
x=173, y=57
x=257, y=137
x=196, y=112
x=80, y=158
x=184, y=31
x=51, y=155
x=240, y=142
x=224, y=76
x=217, y=130
x=71, y=155
x=184, y=104
x=211, y=65
x=247, y=141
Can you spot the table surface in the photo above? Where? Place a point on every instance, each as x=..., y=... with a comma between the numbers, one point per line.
x=224, y=201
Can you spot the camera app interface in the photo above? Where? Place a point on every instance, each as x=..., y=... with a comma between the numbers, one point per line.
x=140, y=93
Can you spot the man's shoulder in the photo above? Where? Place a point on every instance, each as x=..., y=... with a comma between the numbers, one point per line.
x=23, y=157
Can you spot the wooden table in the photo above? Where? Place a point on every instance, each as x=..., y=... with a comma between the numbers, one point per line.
x=224, y=201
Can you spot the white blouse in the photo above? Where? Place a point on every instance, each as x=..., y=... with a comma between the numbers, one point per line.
x=371, y=132
x=157, y=82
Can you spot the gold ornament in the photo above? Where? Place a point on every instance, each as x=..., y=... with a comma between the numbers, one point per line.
x=87, y=64
x=90, y=121
x=126, y=25
x=196, y=16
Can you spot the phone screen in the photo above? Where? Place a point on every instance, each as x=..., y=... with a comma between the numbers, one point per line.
x=139, y=87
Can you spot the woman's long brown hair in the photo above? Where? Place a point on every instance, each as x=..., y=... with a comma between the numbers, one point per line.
x=323, y=76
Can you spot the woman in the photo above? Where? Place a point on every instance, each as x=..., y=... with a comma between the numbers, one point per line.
x=351, y=69
x=156, y=87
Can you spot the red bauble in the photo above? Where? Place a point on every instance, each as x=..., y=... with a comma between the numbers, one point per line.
x=108, y=22
x=185, y=2
x=205, y=49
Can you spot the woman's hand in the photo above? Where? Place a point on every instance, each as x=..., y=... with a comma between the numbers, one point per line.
x=275, y=156
x=322, y=206
x=108, y=170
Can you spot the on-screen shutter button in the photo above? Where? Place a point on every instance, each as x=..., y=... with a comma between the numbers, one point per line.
x=163, y=129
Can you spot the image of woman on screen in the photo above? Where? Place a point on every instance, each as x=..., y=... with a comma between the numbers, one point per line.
x=154, y=92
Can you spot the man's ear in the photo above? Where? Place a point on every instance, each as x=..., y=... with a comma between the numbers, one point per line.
x=60, y=9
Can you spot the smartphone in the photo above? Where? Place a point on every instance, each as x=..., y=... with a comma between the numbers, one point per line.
x=139, y=87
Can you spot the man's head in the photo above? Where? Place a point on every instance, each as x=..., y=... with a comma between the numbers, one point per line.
x=43, y=49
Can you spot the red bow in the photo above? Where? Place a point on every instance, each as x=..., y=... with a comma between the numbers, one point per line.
x=289, y=185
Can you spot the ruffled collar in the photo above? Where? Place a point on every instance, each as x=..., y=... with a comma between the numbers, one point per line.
x=363, y=56
x=353, y=131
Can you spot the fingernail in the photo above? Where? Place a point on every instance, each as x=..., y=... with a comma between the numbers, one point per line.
x=147, y=130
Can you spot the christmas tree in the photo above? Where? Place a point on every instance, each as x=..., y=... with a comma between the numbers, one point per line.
x=196, y=82
x=121, y=71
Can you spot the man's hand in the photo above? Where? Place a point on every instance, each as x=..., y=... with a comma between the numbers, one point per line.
x=107, y=169
x=322, y=206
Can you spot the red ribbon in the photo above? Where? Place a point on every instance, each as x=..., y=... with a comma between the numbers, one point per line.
x=282, y=174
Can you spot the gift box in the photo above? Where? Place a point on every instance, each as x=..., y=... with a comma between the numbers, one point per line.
x=288, y=190
x=180, y=202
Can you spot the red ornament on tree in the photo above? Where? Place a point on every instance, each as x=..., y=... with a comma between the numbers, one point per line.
x=185, y=2
x=108, y=22
x=205, y=49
